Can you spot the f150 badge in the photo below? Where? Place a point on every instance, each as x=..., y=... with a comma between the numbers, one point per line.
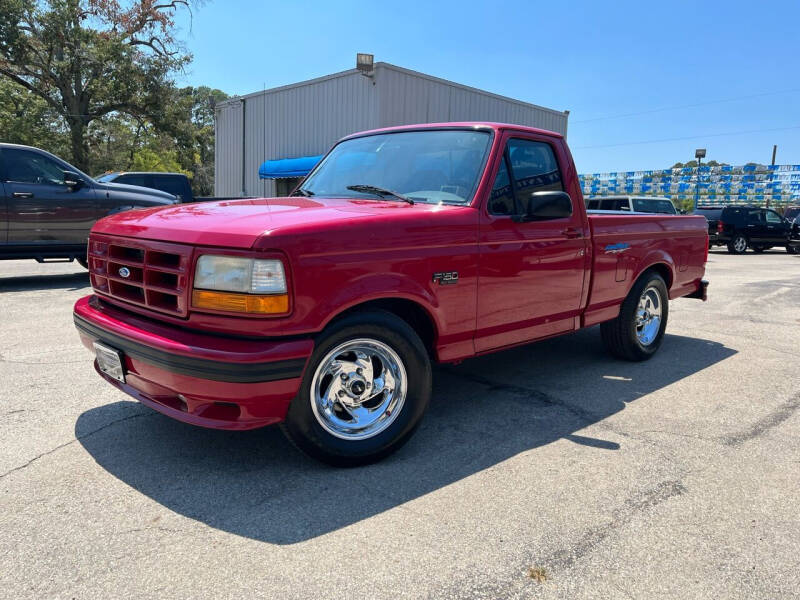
x=616, y=248
x=446, y=278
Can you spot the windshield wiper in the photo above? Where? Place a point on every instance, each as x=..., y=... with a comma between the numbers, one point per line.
x=379, y=191
x=302, y=192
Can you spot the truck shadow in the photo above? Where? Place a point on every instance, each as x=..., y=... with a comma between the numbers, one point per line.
x=483, y=412
x=28, y=283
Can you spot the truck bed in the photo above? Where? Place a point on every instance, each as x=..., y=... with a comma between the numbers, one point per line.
x=623, y=245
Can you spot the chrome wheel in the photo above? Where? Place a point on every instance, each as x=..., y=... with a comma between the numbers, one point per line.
x=740, y=244
x=648, y=316
x=358, y=389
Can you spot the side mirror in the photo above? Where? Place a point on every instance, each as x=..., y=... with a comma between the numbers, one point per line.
x=544, y=206
x=73, y=180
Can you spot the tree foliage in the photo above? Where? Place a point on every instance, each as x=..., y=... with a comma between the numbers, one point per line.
x=87, y=59
x=693, y=163
x=91, y=81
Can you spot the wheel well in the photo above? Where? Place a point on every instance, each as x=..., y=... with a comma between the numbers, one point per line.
x=408, y=310
x=663, y=270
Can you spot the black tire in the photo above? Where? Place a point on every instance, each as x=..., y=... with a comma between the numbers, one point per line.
x=620, y=334
x=739, y=241
x=793, y=249
x=304, y=428
x=81, y=260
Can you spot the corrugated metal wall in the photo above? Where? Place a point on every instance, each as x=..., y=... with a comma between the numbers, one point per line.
x=297, y=120
x=307, y=118
x=228, y=150
x=408, y=97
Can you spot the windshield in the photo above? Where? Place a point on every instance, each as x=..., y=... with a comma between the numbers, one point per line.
x=654, y=206
x=792, y=213
x=435, y=166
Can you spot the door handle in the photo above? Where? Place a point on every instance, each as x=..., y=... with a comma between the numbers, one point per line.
x=572, y=232
x=22, y=194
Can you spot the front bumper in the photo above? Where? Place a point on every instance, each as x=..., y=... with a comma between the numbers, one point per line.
x=206, y=380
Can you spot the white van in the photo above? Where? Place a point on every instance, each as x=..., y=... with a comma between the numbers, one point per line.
x=642, y=204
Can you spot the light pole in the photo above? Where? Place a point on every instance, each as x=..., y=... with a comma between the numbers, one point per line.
x=699, y=154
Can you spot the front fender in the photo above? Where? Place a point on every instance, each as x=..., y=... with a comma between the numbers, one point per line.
x=384, y=286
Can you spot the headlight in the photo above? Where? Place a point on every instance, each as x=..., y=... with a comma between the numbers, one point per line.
x=235, y=274
x=237, y=284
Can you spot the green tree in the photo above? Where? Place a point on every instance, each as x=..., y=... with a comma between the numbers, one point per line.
x=87, y=59
x=27, y=119
x=693, y=163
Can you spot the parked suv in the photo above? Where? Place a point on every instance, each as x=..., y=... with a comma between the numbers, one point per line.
x=47, y=206
x=641, y=204
x=742, y=227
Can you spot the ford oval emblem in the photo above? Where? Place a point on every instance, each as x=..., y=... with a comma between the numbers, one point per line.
x=124, y=272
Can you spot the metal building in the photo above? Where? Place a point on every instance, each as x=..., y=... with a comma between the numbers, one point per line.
x=304, y=119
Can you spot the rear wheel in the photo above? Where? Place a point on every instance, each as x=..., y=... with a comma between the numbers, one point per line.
x=738, y=244
x=637, y=333
x=364, y=391
x=793, y=249
x=81, y=260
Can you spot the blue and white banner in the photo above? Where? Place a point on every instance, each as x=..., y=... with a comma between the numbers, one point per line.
x=780, y=184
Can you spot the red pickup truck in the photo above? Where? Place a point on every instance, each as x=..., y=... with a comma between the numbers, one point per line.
x=403, y=247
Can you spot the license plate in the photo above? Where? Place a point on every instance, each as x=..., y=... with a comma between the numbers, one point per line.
x=109, y=361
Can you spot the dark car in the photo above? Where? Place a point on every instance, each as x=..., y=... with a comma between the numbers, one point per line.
x=792, y=213
x=742, y=227
x=176, y=184
x=47, y=206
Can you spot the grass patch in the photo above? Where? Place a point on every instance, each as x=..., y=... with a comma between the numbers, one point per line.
x=538, y=574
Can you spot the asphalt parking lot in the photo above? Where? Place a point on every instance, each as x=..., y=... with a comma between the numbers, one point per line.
x=548, y=471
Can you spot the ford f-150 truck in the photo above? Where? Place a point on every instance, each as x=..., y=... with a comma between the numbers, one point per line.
x=403, y=247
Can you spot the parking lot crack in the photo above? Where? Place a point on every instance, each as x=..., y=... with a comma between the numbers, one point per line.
x=77, y=439
x=762, y=426
x=539, y=396
x=564, y=559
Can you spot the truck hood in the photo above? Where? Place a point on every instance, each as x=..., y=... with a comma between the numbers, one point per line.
x=239, y=223
x=136, y=190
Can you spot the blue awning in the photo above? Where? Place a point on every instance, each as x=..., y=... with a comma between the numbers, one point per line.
x=288, y=167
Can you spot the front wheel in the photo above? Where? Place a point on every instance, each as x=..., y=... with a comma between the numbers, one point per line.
x=793, y=249
x=738, y=244
x=364, y=391
x=637, y=333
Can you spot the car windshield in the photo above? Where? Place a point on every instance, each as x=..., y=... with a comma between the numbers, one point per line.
x=791, y=213
x=434, y=166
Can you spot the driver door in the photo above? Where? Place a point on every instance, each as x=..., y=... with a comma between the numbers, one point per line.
x=531, y=274
x=41, y=208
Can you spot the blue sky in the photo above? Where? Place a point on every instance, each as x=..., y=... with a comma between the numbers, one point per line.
x=738, y=61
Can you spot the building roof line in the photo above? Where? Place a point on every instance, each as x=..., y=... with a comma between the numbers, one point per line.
x=470, y=88
x=236, y=99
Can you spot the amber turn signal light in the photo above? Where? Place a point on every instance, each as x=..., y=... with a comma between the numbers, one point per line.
x=241, y=303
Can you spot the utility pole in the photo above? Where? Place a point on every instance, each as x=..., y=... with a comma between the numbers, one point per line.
x=698, y=154
x=772, y=172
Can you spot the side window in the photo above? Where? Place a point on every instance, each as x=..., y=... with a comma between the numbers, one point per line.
x=132, y=180
x=24, y=166
x=594, y=204
x=755, y=217
x=501, y=199
x=773, y=217
x=171, y=185
x=534, y=167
